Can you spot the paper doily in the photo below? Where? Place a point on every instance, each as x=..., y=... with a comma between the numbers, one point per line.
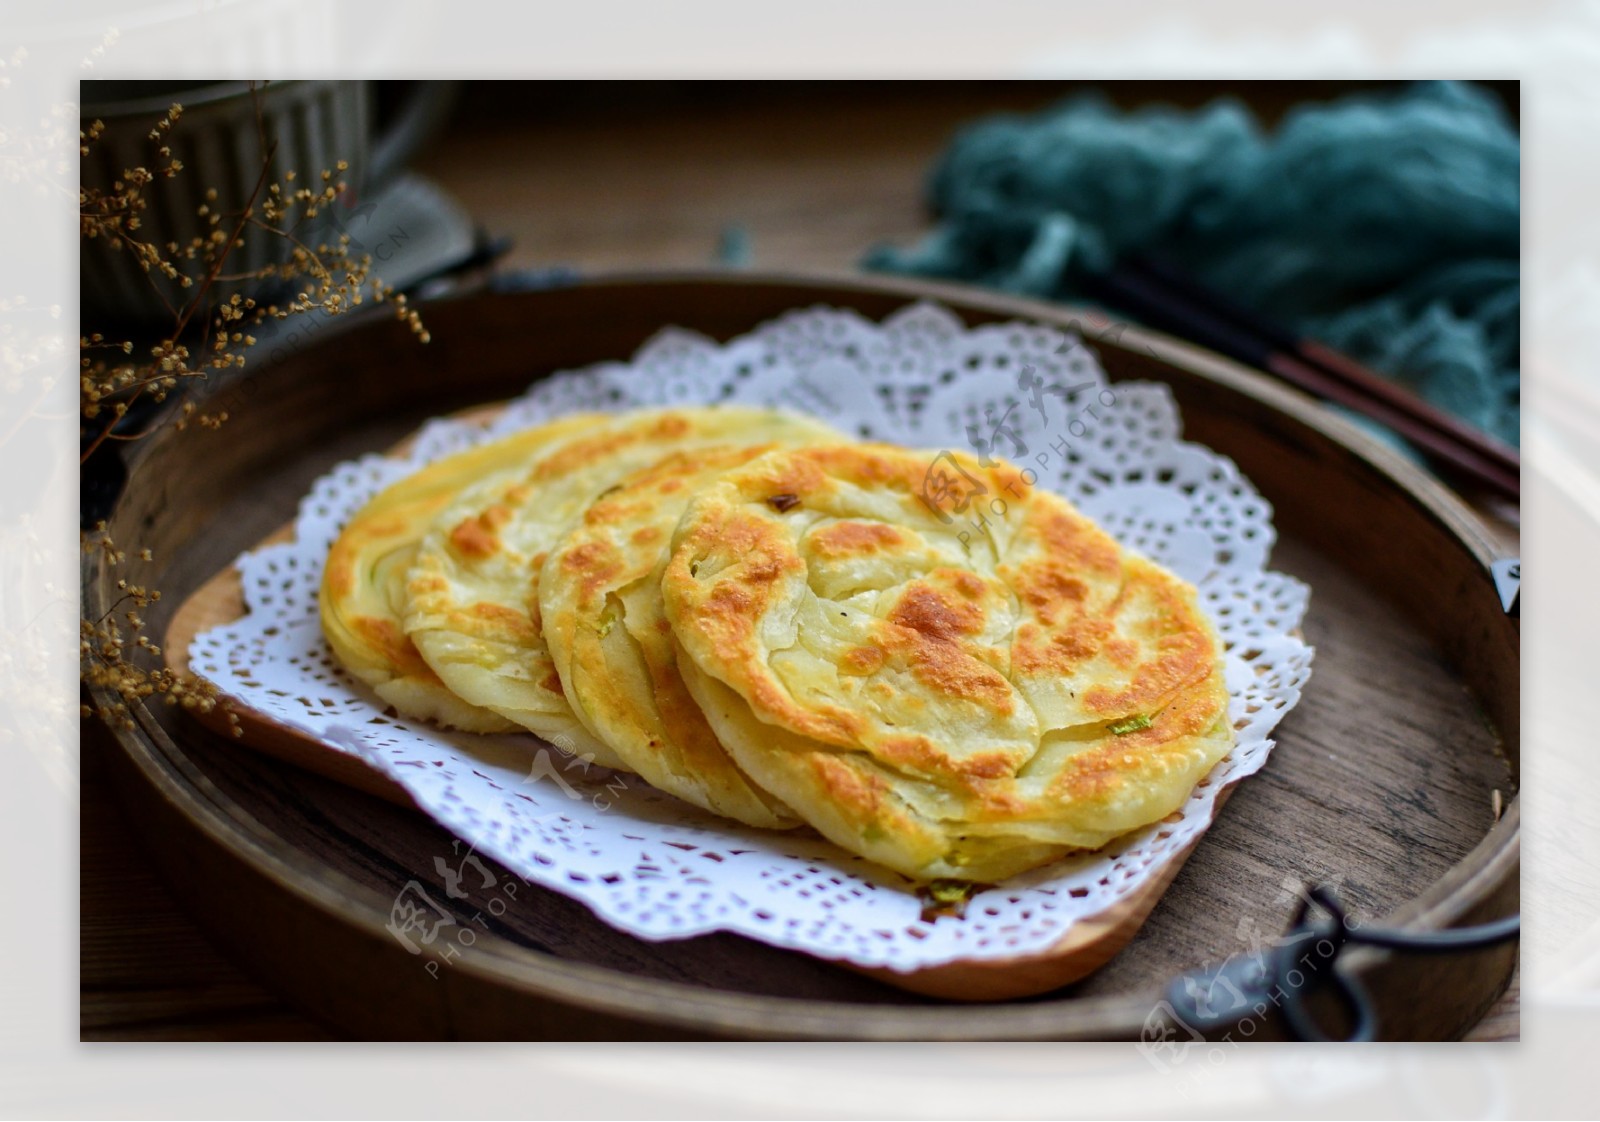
x=660, y=869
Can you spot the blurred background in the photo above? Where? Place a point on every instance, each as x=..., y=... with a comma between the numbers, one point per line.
x=1264, y=220
x=622, y=174
x=1383, y=219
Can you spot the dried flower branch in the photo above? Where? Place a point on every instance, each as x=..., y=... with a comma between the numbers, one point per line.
x=107, y=646
x=323, y=277
x=114, y=651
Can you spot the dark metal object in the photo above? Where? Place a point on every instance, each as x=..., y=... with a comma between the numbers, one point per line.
x=1304, y=963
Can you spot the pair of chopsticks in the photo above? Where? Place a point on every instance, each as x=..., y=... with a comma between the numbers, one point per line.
x=1165, y=298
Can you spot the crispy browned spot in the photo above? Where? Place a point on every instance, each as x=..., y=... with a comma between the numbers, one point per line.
x=594, y=564
x=796, y=475
x=1093, y=773
x=855, y=790
x=849, y=539
x=587, y=450
x=551, y=682
x=1000, y=800
x=1121, y=651
x=922, y=609
x=967, y=584
x=510, y=622
x=1037, y=651
x=952, y=672
x=1047, y=586
x=927, y=629
x=397, y=650
x=731, y=603
x=863, y=464
x=478, y=535
x=828, y=724
x=428, y=582
x=727, y=615
x=471, y=539
x=918, y=753
x=1193, y=711
x=1010, y=480
x=1073, y=542
x=1184, y=651
x=863, y=660
x=340, y=573
x=575, y=455
x=644, y=535
x=1180, y=659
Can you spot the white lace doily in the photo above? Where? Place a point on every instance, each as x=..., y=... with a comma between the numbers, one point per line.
x=660, y=869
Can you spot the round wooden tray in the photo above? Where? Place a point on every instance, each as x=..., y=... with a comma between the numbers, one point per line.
x=1386, y=779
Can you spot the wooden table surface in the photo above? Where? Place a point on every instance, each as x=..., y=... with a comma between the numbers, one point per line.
x=810, y=181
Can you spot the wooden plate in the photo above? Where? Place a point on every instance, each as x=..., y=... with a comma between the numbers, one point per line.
x=1383, y=780
x=1089, y=944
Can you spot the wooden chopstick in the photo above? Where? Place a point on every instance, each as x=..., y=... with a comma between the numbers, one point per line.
x=1167, y=299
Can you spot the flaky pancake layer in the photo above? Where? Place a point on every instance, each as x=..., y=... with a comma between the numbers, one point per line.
x=600, y=599
x=362, y=597
x=472, y=592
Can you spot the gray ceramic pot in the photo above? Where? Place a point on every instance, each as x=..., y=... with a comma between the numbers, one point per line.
x=219, y=139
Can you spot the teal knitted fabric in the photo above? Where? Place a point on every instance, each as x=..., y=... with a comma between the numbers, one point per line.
x=1387, y=226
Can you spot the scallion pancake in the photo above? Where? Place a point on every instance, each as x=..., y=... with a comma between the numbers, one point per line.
x=936, y=665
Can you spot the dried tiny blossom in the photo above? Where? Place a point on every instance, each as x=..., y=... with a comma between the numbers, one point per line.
x=115, y=654
x=321, y=276
x=107, y=646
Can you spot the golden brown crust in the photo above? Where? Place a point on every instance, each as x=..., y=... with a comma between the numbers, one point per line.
x=390, y=643
x=854, y=539
x=477, y=535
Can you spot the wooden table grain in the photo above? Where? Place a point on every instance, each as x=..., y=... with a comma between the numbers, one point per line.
x=806, y=182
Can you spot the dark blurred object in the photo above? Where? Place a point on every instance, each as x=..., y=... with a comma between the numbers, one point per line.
x=1163, y=296
x=494, y=105
x=1255, y=980
x=1385, y=224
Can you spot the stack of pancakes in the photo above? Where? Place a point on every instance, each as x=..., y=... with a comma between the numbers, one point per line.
x=925, y=658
